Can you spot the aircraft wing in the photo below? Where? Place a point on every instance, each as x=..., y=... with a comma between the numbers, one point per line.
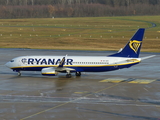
x=52, y=71
x=64, y=69
x=60, y=67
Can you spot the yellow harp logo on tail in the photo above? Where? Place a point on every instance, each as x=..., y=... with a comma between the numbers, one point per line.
x=134, y=45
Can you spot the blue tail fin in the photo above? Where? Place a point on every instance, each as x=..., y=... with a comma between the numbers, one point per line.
x=132, y=48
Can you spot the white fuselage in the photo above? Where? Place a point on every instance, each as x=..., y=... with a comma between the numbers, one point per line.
x=79, y=63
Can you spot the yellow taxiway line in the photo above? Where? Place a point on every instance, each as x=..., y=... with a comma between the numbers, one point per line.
x=67, y=103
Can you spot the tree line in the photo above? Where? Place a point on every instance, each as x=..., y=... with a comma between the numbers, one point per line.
x=77, y=8
x=69, y=2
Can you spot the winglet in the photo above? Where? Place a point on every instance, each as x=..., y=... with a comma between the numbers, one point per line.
x=62, y=62
x=132, y=48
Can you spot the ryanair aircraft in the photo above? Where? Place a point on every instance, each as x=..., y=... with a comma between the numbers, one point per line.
x=52, y=65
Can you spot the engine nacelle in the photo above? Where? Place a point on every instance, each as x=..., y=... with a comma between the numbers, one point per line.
x=49, y=71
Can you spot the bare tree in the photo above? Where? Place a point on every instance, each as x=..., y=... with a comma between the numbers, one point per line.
x=26, y=2
x=69, y=12
x=51, y=10
x=7, y=1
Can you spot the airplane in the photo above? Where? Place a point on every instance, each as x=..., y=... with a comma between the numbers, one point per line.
x=52, y=65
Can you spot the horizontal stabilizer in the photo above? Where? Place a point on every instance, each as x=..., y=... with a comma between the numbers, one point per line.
x=143, y=58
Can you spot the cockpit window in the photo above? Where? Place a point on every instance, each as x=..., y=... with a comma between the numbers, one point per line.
x=12, y=61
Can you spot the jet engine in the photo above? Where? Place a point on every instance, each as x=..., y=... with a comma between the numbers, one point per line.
x=49, y=71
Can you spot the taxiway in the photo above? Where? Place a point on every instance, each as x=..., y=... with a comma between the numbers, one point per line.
x=127, y=94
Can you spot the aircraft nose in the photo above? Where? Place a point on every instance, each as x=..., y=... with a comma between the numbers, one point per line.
x=7, y=64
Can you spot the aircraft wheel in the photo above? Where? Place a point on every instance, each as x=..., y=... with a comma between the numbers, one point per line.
x=78, y=73
x=68, y=75
x=19, y=74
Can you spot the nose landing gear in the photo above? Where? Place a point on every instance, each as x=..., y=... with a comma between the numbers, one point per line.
x=68, y=75
x=19, y=73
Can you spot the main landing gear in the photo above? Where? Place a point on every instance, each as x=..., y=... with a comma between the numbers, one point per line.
x=68, y=75
x=78, y=73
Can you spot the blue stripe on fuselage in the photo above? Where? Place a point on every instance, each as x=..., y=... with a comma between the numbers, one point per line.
x=78, y=68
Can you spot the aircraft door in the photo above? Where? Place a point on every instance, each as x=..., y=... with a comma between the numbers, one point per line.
x=115, y=62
